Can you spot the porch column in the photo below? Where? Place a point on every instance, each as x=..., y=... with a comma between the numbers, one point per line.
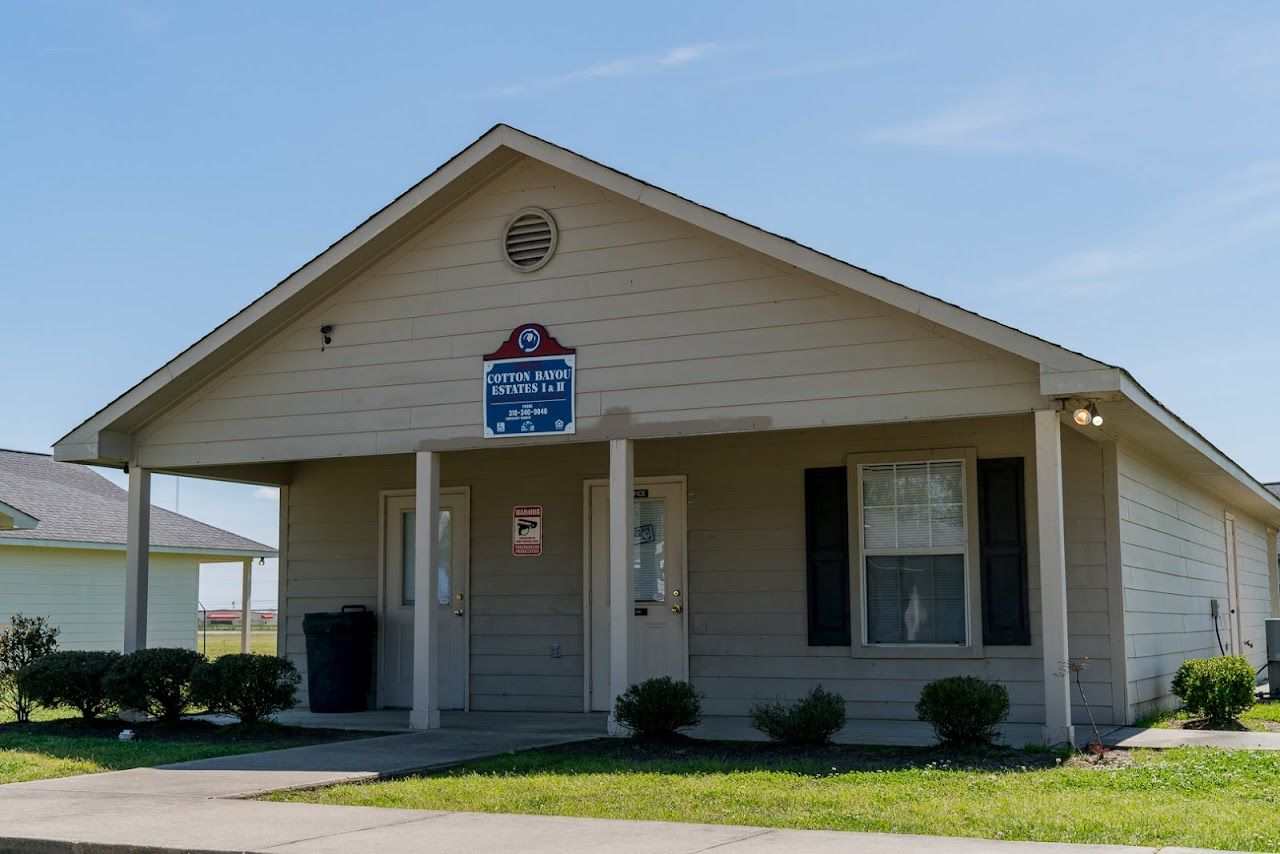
x=246, y=612
x=426, y=712
x=621, y=571
x=1053, y=578
x=137, y=559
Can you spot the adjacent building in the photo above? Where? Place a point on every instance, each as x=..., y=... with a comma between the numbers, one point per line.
x=68, y=564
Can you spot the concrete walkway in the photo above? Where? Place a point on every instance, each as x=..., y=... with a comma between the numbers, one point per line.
x=105, y=823
x=1131, y=737
x=199, y=806
x=358, y=760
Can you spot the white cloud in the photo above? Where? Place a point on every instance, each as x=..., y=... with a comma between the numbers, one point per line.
x=674, y=57
x=1242, y=207
x=810, y=69
x=267, y=493
x=977, y=124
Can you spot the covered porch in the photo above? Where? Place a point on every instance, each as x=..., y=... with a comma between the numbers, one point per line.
x=734, y=594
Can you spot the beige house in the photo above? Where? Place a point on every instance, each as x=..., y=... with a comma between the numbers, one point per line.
x=65, y=559
x=606, y=433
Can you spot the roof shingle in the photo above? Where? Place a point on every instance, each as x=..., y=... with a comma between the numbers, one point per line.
x=76, y=504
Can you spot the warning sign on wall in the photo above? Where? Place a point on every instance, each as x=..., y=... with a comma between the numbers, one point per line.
x=526, y=531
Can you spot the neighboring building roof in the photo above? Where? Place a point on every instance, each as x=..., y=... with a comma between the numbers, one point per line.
x=76, y=505
x=1274, y=487
x=106, y=438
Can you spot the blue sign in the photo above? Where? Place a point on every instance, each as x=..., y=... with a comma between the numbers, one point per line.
x=529, y=386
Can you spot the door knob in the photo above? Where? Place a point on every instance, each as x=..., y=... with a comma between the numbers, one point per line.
x=457, y=613
x=677, y=609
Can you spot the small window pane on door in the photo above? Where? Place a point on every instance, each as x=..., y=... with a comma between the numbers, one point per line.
x=649, y=537
x=444, y=556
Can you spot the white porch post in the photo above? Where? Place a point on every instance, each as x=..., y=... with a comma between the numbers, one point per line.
x=621, y=553
x=1053, y=578
x=136, y=559
x=246, y=612
x=426, y=712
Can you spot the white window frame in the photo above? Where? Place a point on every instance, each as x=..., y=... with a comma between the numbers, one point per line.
x=862, y=647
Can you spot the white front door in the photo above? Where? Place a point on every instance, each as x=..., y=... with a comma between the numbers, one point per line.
x=395, y=678
x=660, y=600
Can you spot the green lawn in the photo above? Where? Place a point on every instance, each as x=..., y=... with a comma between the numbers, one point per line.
x=1190, y=796
x=220, y=642
x=60, y=745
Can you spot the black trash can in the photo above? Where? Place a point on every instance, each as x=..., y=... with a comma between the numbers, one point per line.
x=339, y=658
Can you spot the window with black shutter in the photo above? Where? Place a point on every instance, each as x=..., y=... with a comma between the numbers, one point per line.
x=826, y=511
x=1002, y=552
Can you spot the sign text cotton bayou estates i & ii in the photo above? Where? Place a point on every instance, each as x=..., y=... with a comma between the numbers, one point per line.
x=529, y=386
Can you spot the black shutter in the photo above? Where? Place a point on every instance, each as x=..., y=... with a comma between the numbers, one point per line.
x=1002, y=552
x=826, y=524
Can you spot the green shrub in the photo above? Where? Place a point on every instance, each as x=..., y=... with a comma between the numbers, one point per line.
x=1216, y=689
x=812, y=719
x=70, y=678
x=657, y=709
x=249, y=686
x=964, y=710
x=156, y=681
x=23, y=641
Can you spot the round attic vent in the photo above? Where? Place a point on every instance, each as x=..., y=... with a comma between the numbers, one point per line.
x=529, y=239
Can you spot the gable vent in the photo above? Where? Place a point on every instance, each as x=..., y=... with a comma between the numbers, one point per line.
x=529, y=239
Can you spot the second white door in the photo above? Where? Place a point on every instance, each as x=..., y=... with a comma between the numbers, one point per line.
x=399, y=598
x=659, y=606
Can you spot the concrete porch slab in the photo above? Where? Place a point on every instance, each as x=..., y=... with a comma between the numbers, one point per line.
x=712, y=728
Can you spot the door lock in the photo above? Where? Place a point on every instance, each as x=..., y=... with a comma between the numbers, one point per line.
x=457, y=613
x=677, y=609
x=459, y=597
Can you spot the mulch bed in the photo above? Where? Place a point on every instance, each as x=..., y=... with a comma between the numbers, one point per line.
x=826, y=760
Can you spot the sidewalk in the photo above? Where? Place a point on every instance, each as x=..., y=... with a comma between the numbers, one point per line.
x=105, y=823
x=199, y=806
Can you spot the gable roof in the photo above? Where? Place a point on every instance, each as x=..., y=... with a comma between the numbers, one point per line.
x=76, y=505
x=106, y=437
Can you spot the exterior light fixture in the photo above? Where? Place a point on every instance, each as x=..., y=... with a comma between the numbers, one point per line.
x=1087, y=414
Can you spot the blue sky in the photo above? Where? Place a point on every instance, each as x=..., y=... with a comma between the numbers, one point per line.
x=1104, y=175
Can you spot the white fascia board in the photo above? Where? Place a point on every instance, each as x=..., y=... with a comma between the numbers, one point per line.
x=298, y=281
x=803, y=257
x=1132, y=390
x=119, y=547
x=78, y=445
x=1117, y=382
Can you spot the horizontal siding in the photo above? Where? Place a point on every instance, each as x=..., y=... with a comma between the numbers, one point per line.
x=674, y=329
x=81, y=591
x=1174, y=556
x=748, y=636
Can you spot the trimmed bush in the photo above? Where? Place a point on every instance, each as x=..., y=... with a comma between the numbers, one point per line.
x=812, y=719
x=72, y=678
x=251, y=687
x=1216, y=689
x=156, y=681
x=24, y=640
x=964, y=711
x=657, y=709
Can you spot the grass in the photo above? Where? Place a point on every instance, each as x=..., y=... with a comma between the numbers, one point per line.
x=1189, y=796
x=1263, y=717
x=59, y=744
x=217, y=643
